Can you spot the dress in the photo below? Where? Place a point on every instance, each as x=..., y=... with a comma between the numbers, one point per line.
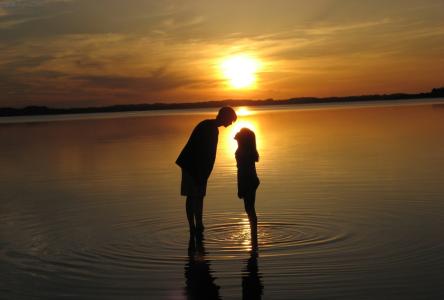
x=197, y=158
x=247, y=180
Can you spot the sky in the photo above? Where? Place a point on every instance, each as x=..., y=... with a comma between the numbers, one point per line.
x=76, y=53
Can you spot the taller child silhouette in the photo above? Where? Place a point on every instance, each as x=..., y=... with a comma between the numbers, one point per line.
x=197, y=160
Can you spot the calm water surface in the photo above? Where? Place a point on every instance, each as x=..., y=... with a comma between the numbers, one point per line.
x=351, y=206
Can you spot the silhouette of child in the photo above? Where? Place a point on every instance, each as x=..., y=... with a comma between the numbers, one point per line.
x=247, y=180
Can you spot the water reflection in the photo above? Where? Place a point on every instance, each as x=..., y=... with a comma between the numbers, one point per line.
x=199, y=279
x=241, y=231
x=229, y=144
x=243, y=111
x=244, y=234
x=333, y=181
x=252, y=287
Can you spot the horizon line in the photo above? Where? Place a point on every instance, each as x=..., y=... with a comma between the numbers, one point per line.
x=45, y=110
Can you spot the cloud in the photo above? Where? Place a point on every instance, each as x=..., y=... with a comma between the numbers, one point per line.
x=137, y=17
x=160, y=80
x=20, y=12
x=3, y=12
x=58, y=51
x=100, y=68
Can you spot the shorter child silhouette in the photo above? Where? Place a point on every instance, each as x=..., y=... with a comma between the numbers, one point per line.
x=247, y=180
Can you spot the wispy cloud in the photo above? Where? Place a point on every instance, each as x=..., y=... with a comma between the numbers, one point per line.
x=55, y=51
x=159, y=80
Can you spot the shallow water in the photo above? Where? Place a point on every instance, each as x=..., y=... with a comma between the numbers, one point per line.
x=350, y=206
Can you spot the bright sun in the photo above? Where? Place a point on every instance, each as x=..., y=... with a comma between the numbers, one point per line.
x=240, y=71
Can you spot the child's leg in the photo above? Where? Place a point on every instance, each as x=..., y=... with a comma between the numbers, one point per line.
x=249, y=201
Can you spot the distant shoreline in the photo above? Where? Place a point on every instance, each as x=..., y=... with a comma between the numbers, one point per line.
x=44, y=110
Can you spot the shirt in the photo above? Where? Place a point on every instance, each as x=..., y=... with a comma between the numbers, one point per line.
x=199, y=153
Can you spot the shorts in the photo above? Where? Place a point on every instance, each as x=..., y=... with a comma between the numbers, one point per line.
x=189, y=187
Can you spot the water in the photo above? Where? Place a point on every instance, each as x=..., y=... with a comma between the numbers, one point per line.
x=350, y=207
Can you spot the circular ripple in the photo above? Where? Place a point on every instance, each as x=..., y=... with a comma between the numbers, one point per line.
x=294, y=232
x=154, y=242
x=324, y=243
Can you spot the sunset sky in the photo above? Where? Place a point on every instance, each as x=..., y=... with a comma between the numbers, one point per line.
x=67, y=53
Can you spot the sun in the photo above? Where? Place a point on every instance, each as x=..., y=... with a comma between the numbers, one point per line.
x=240, y=71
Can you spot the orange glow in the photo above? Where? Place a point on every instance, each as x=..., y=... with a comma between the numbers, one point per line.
x=243, y=234
x=241, y=124
x=231, y=144
x=243, y=111
x=240, y=71
x=246, y=234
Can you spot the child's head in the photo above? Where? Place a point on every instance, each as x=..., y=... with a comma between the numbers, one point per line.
x=246, y=141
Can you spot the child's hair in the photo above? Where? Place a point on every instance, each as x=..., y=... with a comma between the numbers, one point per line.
x=247, y=144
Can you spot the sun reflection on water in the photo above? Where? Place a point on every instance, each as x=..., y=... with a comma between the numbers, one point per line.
x=243, y=234
x=243, y=111
x=245, y=119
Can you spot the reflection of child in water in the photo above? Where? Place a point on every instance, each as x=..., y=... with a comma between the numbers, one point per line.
x=247, y=180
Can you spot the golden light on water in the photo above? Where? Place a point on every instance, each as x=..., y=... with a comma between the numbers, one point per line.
x=246, y=234
x=246, y=118
x=242, y=234
x=243, y=111
x=240, y=71
x=228, y=145
x=235, y=128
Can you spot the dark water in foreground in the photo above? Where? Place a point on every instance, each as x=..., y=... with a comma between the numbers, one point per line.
x=351, y=206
